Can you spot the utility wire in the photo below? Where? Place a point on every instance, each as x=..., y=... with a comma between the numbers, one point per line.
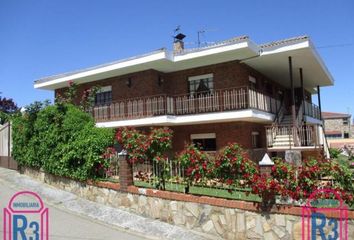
x=337, y=45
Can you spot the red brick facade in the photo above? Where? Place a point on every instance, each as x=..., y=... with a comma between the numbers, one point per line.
x=146, y=83
x=225, y=75
x=239, y=132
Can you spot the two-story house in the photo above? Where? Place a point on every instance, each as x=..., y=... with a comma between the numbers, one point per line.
x=233, y=91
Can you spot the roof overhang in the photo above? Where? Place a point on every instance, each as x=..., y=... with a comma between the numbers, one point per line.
x=160, y=60
x=273, y=62
x=270, y=59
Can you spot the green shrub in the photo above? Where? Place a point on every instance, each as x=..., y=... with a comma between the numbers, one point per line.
x=334, y=152
x=62, y=140
x=25, y=139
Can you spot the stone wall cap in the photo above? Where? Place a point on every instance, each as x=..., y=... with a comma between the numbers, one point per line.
x=266, y=161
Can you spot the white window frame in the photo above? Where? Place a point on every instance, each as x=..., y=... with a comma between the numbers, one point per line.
x=203, y=135
x=253, y=134
x=199, y=77
x=105, y=89
x=252, y=79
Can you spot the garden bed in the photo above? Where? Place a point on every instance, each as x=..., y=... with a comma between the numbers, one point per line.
x=236, y=194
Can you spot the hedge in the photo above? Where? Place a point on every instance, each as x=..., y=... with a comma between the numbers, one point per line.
x=60, y=139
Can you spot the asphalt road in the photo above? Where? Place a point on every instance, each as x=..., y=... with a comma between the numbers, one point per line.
x=65, y=225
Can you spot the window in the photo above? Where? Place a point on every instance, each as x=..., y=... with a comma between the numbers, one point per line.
x=333, y=136
x=255, y=140
x=202, y=84
x=104, y=96
x=345, y=121
x=253, y=82
x=206, y=141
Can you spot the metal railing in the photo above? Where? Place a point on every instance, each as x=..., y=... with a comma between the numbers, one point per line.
x=196, y=103
x=311, y=110
x=132, y=108
x=292, y=136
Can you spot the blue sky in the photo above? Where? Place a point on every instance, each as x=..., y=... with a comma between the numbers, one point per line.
x=40, y=38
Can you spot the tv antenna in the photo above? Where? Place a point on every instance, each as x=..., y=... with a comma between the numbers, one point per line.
x=177, y=29
x=201, y=32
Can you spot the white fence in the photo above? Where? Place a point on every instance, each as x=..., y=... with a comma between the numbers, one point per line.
x=5, y=140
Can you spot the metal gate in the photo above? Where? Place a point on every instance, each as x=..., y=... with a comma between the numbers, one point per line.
x=6, y=159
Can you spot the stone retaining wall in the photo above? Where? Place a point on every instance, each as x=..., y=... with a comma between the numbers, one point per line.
x=215, y=221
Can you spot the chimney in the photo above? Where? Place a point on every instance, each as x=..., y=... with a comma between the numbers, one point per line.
x=178, y=44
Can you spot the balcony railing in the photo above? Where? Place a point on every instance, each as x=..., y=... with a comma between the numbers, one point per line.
x=207, y=102
x=288, y=136
x=311, y=110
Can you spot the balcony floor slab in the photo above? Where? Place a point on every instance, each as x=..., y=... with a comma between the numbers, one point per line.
x=249, y=115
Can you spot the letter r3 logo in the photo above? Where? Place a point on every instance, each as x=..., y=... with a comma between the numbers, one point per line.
x=20, y=228
x=26, y=218
x=327, y=232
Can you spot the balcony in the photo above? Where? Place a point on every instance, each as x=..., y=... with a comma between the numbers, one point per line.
x=224, y=100
x=311, y=110
x=290, y=137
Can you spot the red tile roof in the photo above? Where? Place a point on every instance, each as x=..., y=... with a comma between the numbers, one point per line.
x=333, y=132
x=331, y=115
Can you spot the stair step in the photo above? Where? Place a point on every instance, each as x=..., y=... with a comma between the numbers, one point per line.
x=284, y=137
x=283, y=145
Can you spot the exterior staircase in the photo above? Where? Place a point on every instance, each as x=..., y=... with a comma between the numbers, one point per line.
x=287, y=120
x=283, y=134
x=284, y=137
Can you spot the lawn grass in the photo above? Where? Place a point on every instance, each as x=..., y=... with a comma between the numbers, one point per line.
x=206, y=191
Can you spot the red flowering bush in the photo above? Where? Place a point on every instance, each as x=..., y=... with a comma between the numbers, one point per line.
x=159, y=141
x=285, y=175
x=233, y=166
x=300, y=182
x=195, y=163
x=267, y=188
x=134, y=142
x=142, y=147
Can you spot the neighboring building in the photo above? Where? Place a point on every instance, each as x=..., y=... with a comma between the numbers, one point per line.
x=337, y=125
x=231, y=91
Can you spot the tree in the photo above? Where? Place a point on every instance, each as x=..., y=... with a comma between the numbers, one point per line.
x=7, y=107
